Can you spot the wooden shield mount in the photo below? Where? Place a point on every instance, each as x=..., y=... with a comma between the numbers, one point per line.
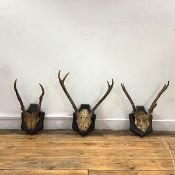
x=91, y=126
x=84, y=117
x=134, y=128
x=39, y=124
x=33, y=117
x=140, y=119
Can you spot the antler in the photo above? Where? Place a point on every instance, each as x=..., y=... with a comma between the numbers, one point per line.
x=65, y=90
x=129, y=98
x=110, y=86
x=154, y=104
x=18, y=96
x=41, y=97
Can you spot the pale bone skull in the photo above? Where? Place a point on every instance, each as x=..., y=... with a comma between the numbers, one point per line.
x=84, y=119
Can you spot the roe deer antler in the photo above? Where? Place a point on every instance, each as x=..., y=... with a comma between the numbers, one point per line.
x=129, y=98
x=110, y=86
x=40, y=98
x=65, y=90
x=154, y=104
x=18, y=96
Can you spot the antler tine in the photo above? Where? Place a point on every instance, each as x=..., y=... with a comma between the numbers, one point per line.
x=154, y=104
x=110, y=86
x=65, y=90
x=41, y=97
x=18, y=96
x=128, y=96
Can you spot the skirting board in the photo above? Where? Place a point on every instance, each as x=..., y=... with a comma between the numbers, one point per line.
x=66, y=123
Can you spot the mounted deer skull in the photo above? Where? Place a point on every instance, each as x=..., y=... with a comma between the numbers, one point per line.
x=140, y=120
x=32, y=119
x=84, y=117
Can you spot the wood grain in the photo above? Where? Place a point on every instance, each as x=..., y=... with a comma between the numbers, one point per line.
x=85, y=163
x=88, y=153
x=44, y=172
x=102, y=153
x=131, y=173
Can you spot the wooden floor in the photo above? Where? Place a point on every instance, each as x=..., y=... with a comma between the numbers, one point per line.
x=102, y=153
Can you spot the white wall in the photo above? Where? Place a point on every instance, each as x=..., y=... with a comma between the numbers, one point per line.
x=96, y=40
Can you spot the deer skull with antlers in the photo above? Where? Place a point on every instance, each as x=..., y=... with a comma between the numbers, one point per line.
x=140, y=120
x=84, y=117
x=32, y=119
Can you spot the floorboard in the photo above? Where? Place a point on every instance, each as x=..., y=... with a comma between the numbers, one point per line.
x=64, y=152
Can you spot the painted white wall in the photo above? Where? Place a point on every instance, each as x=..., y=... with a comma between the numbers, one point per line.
x=130, y=41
